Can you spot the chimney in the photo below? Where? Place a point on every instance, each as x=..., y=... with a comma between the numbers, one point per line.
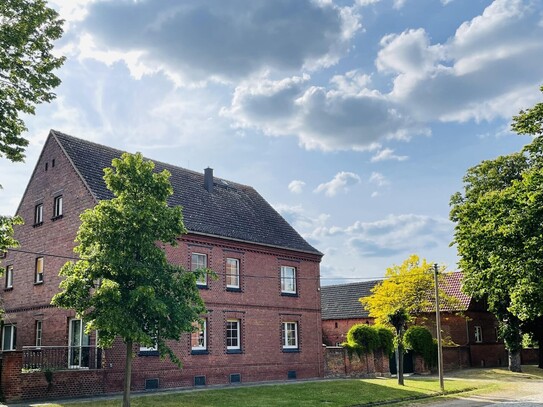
x=208, y=179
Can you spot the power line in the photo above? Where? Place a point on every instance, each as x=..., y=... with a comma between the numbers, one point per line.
x=46, y=254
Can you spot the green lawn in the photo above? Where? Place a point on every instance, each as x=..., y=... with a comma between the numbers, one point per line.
x=321, y=393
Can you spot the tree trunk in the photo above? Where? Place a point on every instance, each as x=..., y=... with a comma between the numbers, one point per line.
x=127, y=374
x=514, y=361
x=540, y=345
x=399, y=364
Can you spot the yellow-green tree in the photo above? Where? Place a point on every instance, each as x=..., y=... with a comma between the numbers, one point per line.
x=408, y=286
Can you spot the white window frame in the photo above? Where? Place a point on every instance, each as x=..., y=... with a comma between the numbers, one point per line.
x=195, y=265
x=153, y=348
x=12, y=337
x=9, y=276
x=77, y=350
x=478, y=331
x=38, y=214
x=57, y=206
x=237, y=323
x=38, y=271
x=285, y=279
x=229, y=275
x=39, y=332
x=201, y=333
x=287, y=328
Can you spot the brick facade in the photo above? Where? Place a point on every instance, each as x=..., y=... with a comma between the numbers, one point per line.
x=259, y=304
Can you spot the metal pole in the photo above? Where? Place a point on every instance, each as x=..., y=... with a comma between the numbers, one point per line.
x=438, y=329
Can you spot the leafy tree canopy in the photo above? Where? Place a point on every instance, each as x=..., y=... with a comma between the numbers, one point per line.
x=28, y=29
x=498, y=235
x=408, y=287
x=123, y=285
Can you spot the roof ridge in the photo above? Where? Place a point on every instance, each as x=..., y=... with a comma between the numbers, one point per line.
x=352, y=284
x=165, y=164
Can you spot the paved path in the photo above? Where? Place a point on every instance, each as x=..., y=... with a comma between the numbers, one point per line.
x=519, y=394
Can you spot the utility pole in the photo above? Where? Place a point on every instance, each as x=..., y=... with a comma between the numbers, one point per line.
x=438, y=328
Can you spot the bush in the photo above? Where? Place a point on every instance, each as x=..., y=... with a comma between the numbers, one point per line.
x=419, y=339
x=386, y=339
x=364, y=336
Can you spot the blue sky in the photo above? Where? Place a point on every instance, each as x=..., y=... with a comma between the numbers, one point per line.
x=355, y=119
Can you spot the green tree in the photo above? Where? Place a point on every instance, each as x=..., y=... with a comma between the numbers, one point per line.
x=28, y=29
x=123, y=285
x=498, y=235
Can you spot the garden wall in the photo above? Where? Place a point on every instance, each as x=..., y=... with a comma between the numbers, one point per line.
x=337, y=363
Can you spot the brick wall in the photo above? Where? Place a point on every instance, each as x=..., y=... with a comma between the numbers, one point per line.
x=529, y=356
x=455, y=358
x=334, y=331
x=337, y=363
x=17, y=385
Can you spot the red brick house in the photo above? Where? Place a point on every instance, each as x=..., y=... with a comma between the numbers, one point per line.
x=263, y=321
x=466, y=323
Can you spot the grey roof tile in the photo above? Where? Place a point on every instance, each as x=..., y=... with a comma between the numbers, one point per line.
x=342, y=301
x=232, y=210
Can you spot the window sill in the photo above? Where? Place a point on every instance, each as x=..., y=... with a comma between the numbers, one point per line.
x=289, y=294
x=289, y=350
x=8, y=288
x=148, y=353
x=234, y=351
x=233, y=289
x=38, y=282
x=199, y=352
x=202, y=286
x=36, y=225
x=57, y=217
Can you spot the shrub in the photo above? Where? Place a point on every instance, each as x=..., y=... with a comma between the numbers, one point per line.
x=386, y=339
x=419, y=339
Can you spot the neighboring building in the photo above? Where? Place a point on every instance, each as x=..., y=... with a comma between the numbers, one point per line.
x=264, y=318
x=341, y=309
x=464, y=323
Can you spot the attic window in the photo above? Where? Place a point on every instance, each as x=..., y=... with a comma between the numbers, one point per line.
x=53, y=163
x=46, y=166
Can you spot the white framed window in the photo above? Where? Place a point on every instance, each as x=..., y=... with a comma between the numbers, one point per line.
x=57, y=206
x=39, y=326
x=79, y=345
x=232, y=273
x=153, y=348
x=478, y=334
x=9, y=337
x=198, y=338
x=199, y=261
x=38, y=214
x=38, y=275
x=288, y=279
x=233, y=341
x=9, y=276
x=290, y=335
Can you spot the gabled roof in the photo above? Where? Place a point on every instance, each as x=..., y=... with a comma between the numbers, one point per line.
x=452, y=285
x=232, y=211
x=342, y=301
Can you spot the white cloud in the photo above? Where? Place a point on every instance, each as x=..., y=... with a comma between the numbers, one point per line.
x=379, y=179
x=196, y=41
x=346, y=115
x=297, y=217
x=488, y=69
x=296, y=186
x=340, y=183
x=387, y=154
x=393, y=235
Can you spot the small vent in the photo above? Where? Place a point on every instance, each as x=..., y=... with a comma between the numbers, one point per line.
x=235, y=378
x=291, y=374
x=151, y=384
x=199, y=380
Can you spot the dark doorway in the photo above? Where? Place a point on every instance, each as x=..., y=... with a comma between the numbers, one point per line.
x=407, y=363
